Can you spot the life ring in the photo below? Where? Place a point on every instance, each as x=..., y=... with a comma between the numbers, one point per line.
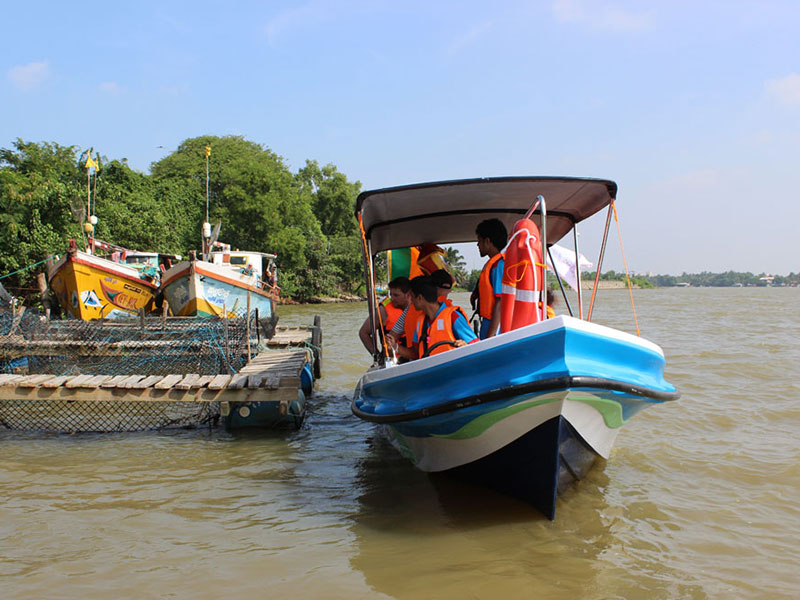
x=523, y=278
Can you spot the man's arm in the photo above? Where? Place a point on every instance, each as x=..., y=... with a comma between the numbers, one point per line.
x=365, y=333
x=494, y=324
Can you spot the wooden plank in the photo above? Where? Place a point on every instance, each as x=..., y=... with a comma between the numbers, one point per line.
x=56, y=382
x=237, y=382
x=147, y=382
x=203, y=381
x=219, y=382
x=32, y=381
x=130, y=381
x=78, y=381
x=97, y=380
x=8, y=379
x=256, y=380
x=187, y=381
x=113, y=381
x=168, y=382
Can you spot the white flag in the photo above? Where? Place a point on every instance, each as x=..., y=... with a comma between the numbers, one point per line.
x=565, y=264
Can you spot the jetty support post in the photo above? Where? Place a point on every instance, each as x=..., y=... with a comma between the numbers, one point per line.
x=247, y=326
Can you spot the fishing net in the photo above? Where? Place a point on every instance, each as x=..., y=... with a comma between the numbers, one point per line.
x=61, y=416
x=30, y=345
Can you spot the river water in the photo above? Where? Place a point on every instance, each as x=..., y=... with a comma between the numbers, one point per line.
x=699, y=499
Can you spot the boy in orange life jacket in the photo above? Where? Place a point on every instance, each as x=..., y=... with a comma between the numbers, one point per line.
x=437, y=323
x=492, y=238
x=403, y=331
x=444, y=284
x=390, y=308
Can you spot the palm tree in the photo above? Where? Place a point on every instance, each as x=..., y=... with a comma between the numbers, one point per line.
x=457, y=265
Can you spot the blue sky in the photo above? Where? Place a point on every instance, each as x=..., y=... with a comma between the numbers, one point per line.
x=693, y=108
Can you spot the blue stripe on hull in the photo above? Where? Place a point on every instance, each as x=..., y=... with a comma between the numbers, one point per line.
x=557, y=353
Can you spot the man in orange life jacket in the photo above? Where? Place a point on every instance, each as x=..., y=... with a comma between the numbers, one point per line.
x=492, y=238
x=390, y=310
x=437, y=323
x=403, y=330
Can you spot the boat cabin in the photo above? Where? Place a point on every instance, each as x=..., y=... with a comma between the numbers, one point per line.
x=259, y=264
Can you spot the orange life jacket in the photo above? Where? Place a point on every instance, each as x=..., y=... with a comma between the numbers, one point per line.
x=392, y=314
x=486, y=297
x=410, y=324
x=440, y=330
x=449, y=303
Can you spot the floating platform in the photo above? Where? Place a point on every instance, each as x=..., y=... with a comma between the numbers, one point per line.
x=269, y=390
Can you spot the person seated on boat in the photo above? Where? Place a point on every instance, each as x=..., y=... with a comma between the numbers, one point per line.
x=444, y=285
x=391, y=308
x=551, y=300
x=492, y=238
x=439, y=327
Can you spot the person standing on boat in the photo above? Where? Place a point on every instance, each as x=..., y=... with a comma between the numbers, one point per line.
x=492, y=238
x=391, y=308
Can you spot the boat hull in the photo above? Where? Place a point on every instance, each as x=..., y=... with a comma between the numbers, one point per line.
x=473, y=409
x=89, y=287
x=201, y=289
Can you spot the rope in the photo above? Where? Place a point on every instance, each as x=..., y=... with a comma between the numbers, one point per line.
x=24, y=268
x=374, y=295
x=625, y=262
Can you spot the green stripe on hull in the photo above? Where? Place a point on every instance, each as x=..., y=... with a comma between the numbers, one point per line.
x=610, y=410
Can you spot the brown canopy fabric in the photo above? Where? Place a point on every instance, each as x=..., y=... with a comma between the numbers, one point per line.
x=447, y=212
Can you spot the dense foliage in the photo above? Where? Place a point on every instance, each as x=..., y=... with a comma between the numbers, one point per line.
x=305, y=218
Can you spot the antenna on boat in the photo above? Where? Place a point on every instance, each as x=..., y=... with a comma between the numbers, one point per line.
x=206, y=224
x=91, y=219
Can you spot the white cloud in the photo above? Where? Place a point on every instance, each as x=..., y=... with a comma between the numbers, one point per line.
x=29, y=77
x=603, y=17
x=111, y=87
x=786, y=89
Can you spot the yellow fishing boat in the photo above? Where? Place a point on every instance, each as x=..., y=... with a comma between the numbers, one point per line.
x=91, y=287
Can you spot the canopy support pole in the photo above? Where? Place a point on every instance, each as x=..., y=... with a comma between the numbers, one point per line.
x=600, y=261
x=578, y=270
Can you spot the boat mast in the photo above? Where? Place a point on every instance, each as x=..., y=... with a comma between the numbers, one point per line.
x=206, y=241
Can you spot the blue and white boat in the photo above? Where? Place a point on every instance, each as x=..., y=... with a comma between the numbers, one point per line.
x=527, y=412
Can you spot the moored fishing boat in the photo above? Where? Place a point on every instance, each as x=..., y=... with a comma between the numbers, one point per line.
x=88, y=286
x=224, y=285
x=530, y=410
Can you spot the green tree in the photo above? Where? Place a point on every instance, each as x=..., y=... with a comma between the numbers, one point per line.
x=251, y=192
x=40, y=196
x=331, y=196
x=457, y=265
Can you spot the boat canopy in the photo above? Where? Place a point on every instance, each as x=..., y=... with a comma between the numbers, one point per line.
x=447, y=212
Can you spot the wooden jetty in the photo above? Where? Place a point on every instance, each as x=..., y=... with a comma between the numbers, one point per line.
x=270, y=390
